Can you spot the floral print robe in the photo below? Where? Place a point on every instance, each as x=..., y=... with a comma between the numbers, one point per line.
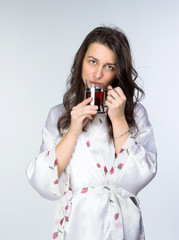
x=97, y=191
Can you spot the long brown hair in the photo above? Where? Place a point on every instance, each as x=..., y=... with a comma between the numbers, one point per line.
x=125, y=78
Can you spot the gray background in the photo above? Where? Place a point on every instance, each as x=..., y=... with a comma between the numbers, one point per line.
x=38, y=40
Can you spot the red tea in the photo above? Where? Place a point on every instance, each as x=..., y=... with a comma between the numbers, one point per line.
x=98, y=98
x=88, y=94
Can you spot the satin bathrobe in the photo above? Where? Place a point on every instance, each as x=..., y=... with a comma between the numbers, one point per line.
x=97, y=192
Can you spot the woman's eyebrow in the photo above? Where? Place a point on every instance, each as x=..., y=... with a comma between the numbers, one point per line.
x=98, y=60
x=93, y=58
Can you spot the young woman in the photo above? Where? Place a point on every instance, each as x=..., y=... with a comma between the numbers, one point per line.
x=95, y=164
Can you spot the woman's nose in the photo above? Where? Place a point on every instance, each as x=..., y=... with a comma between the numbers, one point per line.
x=99, y=73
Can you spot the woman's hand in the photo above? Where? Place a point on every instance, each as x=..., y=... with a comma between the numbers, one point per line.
x=80, y=115
x=116, y=101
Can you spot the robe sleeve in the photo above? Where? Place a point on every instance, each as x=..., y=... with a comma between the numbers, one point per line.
x=42, y=172
x=139, y=156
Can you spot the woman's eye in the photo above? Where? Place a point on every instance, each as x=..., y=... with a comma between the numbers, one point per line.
x=109, y=67
x=92, y=62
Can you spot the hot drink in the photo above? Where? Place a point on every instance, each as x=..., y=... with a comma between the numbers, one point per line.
x=99, y=96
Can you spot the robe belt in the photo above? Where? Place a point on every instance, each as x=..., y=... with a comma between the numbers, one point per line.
x=114, y=193
x=115, y=201
x=106, y=188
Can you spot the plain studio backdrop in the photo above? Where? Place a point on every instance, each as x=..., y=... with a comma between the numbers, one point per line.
x=38, y=41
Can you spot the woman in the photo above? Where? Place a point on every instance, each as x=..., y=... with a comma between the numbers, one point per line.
x=95, y=164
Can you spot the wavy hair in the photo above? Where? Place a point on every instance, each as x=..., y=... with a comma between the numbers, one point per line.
x=125, y=77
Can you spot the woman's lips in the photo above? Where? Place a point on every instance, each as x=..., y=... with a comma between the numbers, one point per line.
x=93, y=82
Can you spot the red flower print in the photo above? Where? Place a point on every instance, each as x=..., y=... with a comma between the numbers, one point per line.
x=105, y=169
x=56, y=181
x=88, y=143
x=66, y=208
x=122, y=150
x=55, y=235
x=98, y=165
x=112, y=170
x=55, y=163
x=84, y=190
x=48, y=153
x=120, y=165
x=61, y=221
x=116, y=216
x=70, y=189
x=66, y=218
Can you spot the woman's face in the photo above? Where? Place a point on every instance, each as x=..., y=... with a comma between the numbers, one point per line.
x=99, y=65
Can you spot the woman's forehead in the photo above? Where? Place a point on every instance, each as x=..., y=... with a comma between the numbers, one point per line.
x=100, y=51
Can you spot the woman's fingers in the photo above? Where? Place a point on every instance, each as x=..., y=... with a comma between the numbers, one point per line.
x=112, y=93
x=80, y=115
x=120, y=93
x=89, y=109
x=108, y=104
x=83, y=109
x=116, y=103
x=110, y=99
x=116, y=93
x=83, y=103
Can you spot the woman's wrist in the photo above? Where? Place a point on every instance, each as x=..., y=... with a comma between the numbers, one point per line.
x=119, y=121
x=72, y=134
x=122, y=135
x=120, y=126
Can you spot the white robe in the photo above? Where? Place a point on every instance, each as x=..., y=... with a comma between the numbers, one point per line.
x=97, y=192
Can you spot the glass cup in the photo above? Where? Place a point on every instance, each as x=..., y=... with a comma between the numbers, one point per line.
x=99, y=95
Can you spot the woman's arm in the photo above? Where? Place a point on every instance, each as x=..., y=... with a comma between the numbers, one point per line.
x=46, y=172
x=120, y=131
x=80, y=114
x=138, y=156
x=136, y=151
x=116, y=101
